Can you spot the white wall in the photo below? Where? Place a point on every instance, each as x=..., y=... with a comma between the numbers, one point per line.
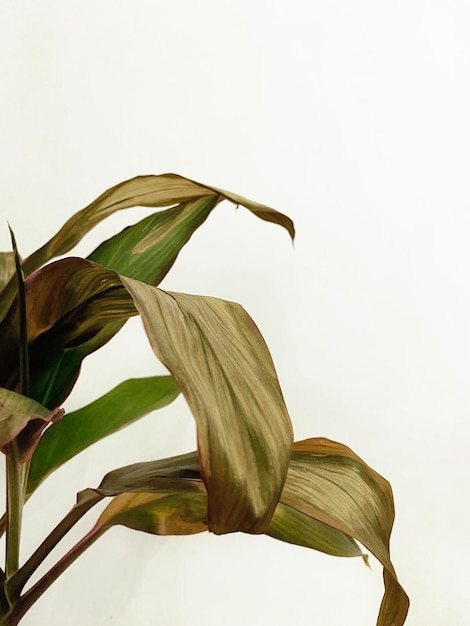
x=352, y=117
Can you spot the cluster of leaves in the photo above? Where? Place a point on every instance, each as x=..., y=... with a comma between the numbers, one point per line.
x=246, y=475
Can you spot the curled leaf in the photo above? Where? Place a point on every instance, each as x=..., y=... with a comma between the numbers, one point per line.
x=223, y=367
x=328, y=482
x=23, y=419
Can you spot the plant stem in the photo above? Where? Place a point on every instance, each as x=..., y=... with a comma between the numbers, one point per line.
x=30, y=597
x=17, y=582
x=14, y=514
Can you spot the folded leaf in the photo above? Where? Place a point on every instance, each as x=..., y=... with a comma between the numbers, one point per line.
x=23, y=419
x=295, y=527
x=79, y=429
x=260, y=210
x=148, y=191
x=149, y=475
x=180, y=513
x=151, y=191
x=158, y=497
x=223, y=367
x=328, y=482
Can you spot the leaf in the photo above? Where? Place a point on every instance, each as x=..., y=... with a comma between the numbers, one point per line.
x=151, y=191
x=149, y=475
x=148, y=191
x=173, y=475
x=23, y=419
x=73, y=307
x=328, y=482
x=79, y=429
x=180, y=513
x=166, y=497
x=7, y=267
x=260, y=210
x=223, y=367
x=147, y=250
x=295, y=527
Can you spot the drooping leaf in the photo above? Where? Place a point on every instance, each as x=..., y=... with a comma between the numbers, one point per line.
x=223, y=367
x=147, y=476
x=152, y=191
x=148, y=191
x=79, y=429
x=165, y=497
x=23, y=419
x=180, y=513
x=7, y=267
x=295, y=527
x=260, y=210
x=287, y=524
x=147, y=250
x=328, y=482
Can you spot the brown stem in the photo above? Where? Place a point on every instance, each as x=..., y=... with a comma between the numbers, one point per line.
x=20, y=578
x=30, y=597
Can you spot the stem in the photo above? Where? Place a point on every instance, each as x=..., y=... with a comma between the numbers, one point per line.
x=30, y=597
x=17, y=582
x=14, y=515
x=15, y=472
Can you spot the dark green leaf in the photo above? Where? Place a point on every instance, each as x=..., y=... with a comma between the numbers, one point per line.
x=147, y=250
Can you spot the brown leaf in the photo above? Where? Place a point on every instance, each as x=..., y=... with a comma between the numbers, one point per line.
x=329, y=482
x=223, y=367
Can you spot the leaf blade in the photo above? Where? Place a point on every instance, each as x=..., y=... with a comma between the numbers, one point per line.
x=147, y=250
x=7, y=267
x=23, y=419
x=329, y=482
x=224, y=369
x=292, y=526
x=120, y=407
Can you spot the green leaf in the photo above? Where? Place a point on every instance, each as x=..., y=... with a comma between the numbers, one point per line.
x=79, y=429
x=151, y=191
x=147, y=250
x=7, y=267
x=295, y=527
x=223, y=367
x=23, y=419
x=148, y=191
x=328, y=482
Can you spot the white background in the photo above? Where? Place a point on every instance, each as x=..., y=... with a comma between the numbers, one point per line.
x=353, y=118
